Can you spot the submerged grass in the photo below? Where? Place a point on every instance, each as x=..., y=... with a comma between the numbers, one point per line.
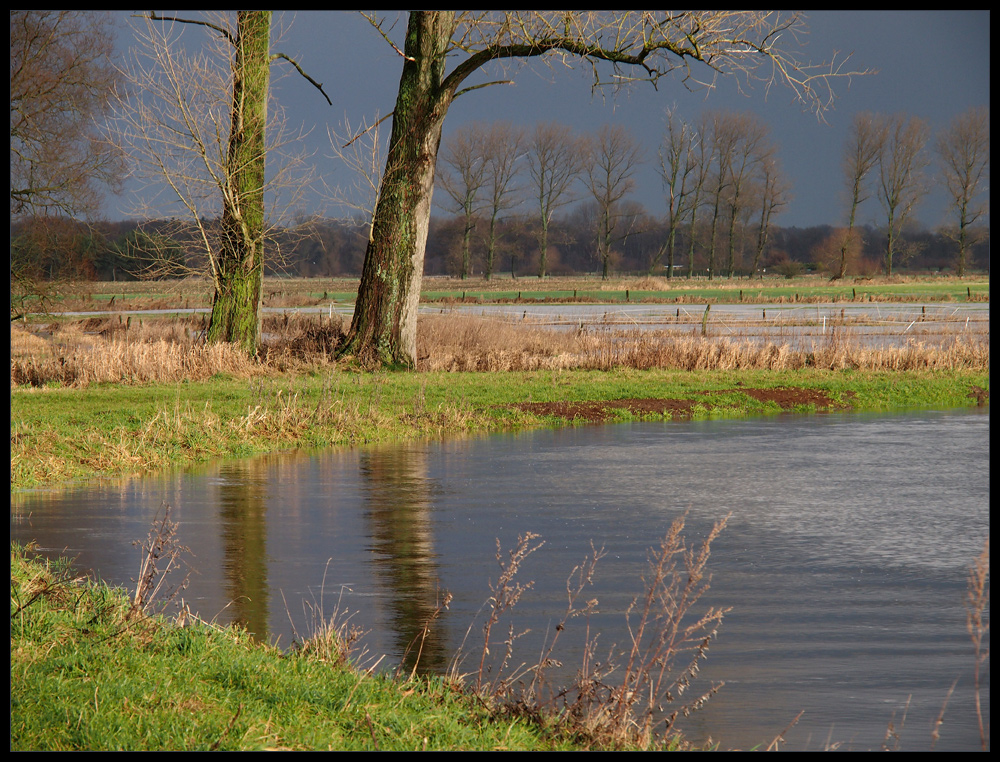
x=297, y=292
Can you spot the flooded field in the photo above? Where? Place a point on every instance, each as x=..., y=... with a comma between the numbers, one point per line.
x=877, y=325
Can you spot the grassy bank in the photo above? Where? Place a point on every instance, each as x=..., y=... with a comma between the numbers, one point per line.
x=105, y=397
x=90, y=671
x=59, y=433
x=96, y=668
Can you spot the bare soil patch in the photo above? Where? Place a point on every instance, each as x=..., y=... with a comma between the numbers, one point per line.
x=788, y=398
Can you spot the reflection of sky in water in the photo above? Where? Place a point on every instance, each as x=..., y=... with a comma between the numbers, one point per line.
x=845, y=488
x=844, y=560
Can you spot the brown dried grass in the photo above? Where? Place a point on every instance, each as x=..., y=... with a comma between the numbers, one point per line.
x=647, y=350
x=453, y=343
x=103, y=350
x=450, y=343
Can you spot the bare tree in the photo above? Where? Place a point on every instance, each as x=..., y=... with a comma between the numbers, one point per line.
x=747, y=151
x=964, y=152
x=554, y=161
x=613, y=158
x=503, y=161
x=198, y=131
x=861, y=156
x=62, y=80
x=840, y=250
x=463, y=176
x=703, y=161
x=901, y=165
x=442, y=49
x=723, y=139
x=773, y=192
x=679, y=172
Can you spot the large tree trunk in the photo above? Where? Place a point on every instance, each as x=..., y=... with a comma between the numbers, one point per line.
x=384, y=328
x=239, y=284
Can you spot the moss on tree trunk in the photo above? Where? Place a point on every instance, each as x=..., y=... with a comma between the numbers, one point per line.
x=239, y=276
x=384, y=329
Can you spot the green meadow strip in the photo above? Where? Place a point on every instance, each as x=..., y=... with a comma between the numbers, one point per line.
x=109, y=430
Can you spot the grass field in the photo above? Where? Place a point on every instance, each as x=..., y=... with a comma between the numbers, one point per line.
x=115, y=394
x=300, y=292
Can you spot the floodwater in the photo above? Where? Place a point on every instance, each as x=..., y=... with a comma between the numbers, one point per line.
x=844, y=561
x=875, y=325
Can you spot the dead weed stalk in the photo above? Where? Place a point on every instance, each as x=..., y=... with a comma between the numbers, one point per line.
x=977, y=601
x=333, y=638
x=162, y=554
x=505, y=595
x=621, y=701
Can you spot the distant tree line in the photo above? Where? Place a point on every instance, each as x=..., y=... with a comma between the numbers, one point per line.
x=61, y=249
x=550, y=201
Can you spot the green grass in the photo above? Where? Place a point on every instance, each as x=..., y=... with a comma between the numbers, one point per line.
x=61, y=434
x=309, y=291
x=90, y=673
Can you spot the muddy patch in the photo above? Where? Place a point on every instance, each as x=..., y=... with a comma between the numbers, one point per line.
x=676, y=409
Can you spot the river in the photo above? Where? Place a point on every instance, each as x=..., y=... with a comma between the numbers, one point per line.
x=844, y=561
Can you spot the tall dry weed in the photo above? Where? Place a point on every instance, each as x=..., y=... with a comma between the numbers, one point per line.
x=635, y=693
x=162, y=554
x=468, y=343
x=977, y=601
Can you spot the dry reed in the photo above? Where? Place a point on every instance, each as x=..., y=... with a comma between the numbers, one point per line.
x=453, y=343
x=101, y=350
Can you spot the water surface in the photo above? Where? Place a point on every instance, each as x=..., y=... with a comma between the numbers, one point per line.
x=844, y=561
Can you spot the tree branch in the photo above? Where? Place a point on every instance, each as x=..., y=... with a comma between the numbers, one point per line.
x=300, y=70
x=221, y=30
x=378, y=28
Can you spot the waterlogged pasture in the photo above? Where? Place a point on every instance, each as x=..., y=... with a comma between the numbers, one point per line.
x=280, y=292
x=844, y=560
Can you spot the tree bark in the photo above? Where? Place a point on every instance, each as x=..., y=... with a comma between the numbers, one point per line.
x=239, y=287
x=384, y=329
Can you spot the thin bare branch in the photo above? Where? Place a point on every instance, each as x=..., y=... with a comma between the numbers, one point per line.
x=300, y=70
x=377, y=23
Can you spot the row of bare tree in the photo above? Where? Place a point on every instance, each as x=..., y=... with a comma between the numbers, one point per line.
x=887, y=156
x=719, y=172
x=725, y=165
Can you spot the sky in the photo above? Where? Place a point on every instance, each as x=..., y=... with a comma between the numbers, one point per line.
x=931, y=64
